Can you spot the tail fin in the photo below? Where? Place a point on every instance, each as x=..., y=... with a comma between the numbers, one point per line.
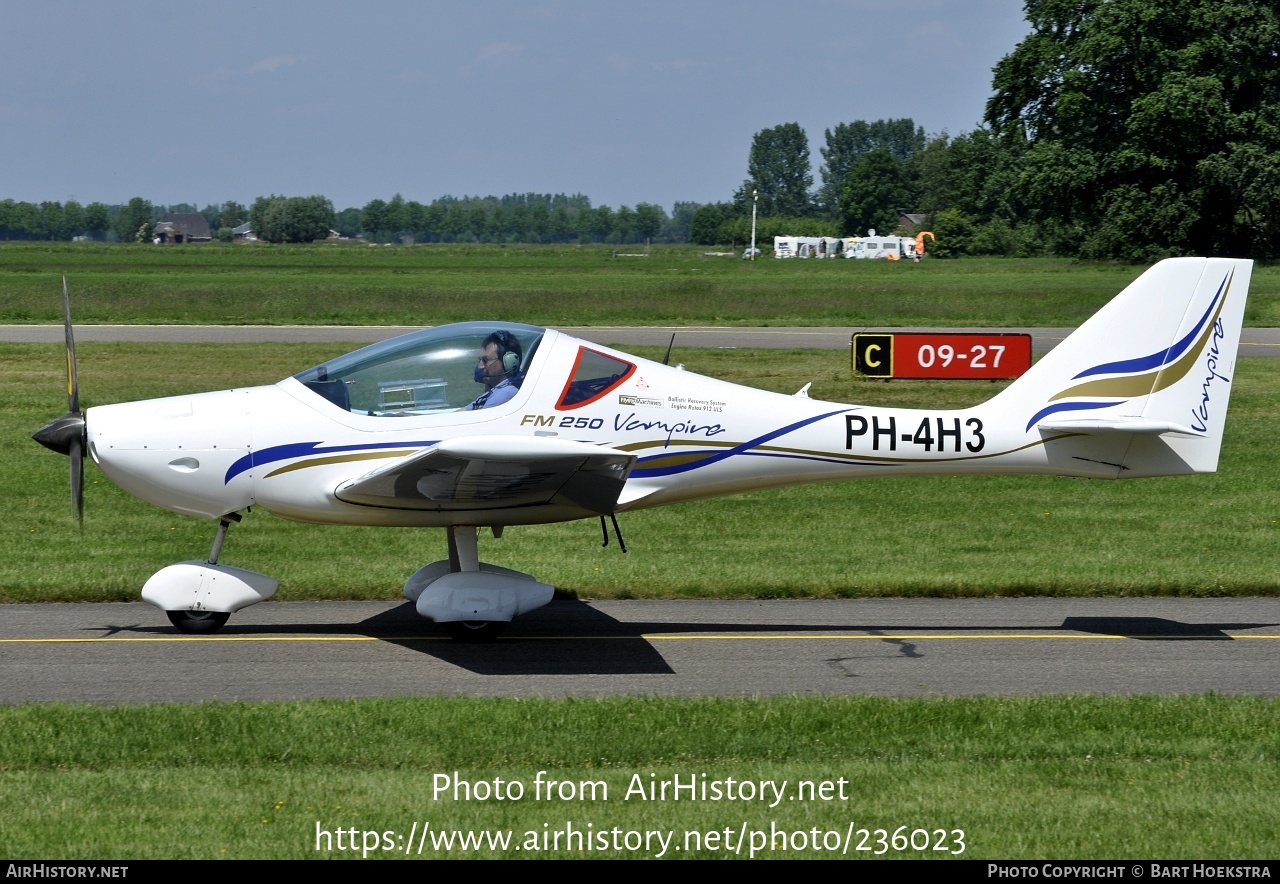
x=1154, y=366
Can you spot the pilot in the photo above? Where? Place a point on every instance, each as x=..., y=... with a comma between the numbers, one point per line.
x=498, y=368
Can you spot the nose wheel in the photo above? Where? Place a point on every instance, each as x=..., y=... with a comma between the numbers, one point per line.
x=198, y=622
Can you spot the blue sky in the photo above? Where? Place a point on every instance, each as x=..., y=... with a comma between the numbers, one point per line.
x=642, y=102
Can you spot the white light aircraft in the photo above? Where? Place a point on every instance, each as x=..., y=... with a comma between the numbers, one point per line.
x=495, y=424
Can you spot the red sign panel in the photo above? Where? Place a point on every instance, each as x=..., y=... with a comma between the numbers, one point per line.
x=942, y=355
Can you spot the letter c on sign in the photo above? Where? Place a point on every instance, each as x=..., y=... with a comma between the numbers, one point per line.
x=866, y=356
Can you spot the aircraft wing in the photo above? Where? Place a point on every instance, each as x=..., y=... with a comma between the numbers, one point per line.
x=497, y=472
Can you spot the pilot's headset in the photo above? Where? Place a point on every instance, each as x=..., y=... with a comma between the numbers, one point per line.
x=508, y=350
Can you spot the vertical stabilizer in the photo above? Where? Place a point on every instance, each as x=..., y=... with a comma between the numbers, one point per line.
x=1155, y=364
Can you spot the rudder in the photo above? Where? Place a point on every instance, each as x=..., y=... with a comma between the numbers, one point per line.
x=1155, y=364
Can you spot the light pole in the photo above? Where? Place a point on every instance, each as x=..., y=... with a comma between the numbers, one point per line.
x=755, y=198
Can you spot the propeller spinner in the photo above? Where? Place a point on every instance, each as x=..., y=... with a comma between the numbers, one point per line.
x=67, y=434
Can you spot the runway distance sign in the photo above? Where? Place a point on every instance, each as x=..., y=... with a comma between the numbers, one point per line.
x=941, y=355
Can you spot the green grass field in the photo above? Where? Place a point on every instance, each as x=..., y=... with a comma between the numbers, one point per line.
x=550, y=285
x=1043, y=778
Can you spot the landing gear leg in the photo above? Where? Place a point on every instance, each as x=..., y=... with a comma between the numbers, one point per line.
x=222, y=536
x=464, y=556
x=464, y=550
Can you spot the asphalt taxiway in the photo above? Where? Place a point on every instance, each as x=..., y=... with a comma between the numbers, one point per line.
x=1254, y=341
x=127, y=653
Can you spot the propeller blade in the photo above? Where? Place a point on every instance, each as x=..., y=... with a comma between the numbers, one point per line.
x=68, y=434
x=73, y=383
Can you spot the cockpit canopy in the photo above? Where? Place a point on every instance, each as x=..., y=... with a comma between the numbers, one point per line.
x=423, y=372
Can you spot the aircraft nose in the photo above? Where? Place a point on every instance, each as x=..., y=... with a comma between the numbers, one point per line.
x=174, y=453
x=59, y=434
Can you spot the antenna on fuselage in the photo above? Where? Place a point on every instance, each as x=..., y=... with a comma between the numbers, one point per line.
x=667, y=359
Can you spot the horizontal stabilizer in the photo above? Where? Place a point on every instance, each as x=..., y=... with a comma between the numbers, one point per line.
x=1119, y=425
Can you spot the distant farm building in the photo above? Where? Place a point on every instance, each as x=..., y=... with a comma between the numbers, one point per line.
x=180, y=227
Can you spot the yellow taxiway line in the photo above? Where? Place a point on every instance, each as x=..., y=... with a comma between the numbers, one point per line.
x=661, y=637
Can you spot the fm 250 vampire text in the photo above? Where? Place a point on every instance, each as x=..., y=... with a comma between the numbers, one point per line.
x=495, y=424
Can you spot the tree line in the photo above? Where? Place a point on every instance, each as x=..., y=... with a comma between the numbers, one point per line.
x=514, y=218
x=1119, y=129
x=875, y=173
x=128, y=222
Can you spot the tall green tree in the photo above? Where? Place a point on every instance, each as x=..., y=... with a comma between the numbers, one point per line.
x=705, y=227
x=778, y=168
x=394, y=220
x=678, y=226
x=373, y=219
x=561, y=224
x=968, y=185
x=876, y=189
x=97, y=220
x=211, y=214
x=1152, y=127
x=132, y=218
x=26, y=220
x=649, y=218
x=52, y=223
x=72, y=219
x=291, y=218
x=231, y=214
x=624, y=225
x=848, y=141
x=347, y=222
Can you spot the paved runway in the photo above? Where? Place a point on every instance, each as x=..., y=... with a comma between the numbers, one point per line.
x=128, y=653
x=1254, y=341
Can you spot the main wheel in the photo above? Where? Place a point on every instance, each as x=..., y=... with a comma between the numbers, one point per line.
x=198, y=622
x=475, y=631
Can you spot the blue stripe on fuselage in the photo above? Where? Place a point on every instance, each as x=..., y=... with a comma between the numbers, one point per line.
x=303, y=449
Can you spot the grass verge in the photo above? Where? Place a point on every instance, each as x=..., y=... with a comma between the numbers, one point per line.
x=551, y=285
x=1081, y=777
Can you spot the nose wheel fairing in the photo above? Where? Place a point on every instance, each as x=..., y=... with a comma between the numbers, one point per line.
x=203, y=586
x=198, y=597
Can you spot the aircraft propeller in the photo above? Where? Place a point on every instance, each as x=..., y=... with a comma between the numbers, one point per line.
x=67, y=434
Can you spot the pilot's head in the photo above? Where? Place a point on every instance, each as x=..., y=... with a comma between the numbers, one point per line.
x=499, y=358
